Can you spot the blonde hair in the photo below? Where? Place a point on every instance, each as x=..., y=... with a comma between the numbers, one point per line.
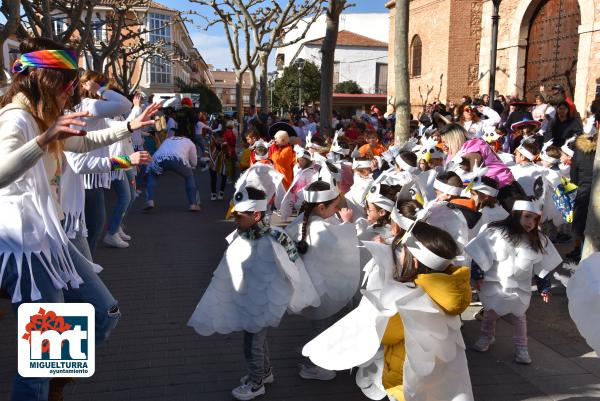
x=453, y=136
x=97, y=77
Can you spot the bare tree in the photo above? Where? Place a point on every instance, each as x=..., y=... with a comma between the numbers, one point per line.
x=11, y=9
x=402, y=131
x=61, y=20
x=269, y=24
x=334, y=9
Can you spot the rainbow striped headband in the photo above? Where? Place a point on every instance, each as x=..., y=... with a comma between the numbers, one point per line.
x=56, y=59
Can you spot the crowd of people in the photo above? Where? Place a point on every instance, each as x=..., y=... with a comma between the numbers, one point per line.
x=381, y=245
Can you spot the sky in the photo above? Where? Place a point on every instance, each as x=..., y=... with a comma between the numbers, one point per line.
x=212, y=43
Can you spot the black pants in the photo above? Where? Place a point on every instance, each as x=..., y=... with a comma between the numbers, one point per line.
x=213, y=182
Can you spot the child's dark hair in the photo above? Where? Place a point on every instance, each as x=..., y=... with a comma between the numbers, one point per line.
x=553, y=152
x=485, y=199
x=317, y=140
x=513, y=231
x=307, y=209
x=408, y=209
x=435, y=239
x=390, y=192
x=409, y=157
x=450, y=178
x=531, y=147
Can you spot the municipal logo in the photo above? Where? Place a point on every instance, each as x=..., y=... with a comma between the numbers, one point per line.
x=56, y=340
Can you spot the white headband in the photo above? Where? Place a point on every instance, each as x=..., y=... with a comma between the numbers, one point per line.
x=361, y=164
x=544, y=156
x=301, y=152
x=320, y=196
x=484, y=189
x=525, y=153
x=405, y=166
x=404, y=222
x=567, y=150
x=425, y=256
x=380, y=200
x=526, y=206
x=447, y=189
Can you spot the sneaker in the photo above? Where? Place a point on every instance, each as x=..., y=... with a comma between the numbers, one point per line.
x=522, y=355
x=221, y=194
x=122, y=234
x=213, y=197
x=149, y=205
x=478, y=315
x=115, y=241
x=248, y=391
x=268, y=378
x=483, y=344
x=316, y=373
x=194, y=208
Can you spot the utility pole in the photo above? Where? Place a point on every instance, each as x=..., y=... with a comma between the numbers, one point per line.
x=495, y=21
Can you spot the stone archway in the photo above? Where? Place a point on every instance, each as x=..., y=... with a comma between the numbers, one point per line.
x=552, y=43
x=518, y=42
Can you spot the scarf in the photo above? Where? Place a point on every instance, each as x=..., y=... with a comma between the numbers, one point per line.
x=262, y=228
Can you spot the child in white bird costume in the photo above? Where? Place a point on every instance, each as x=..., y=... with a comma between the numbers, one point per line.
x=509, y=253
x=260, y=276
x=405, y=334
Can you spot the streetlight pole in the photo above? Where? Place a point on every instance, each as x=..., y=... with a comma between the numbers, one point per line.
x=494, y=50
x=300, y=63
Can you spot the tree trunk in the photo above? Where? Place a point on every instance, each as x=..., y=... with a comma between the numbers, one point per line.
x=402, y=88
x=252, y=87
x=592, y=224
x=328, y=57
x=97, y=63
x=264, y=84
x=239, y=104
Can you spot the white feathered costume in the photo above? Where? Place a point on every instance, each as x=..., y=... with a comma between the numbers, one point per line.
x=583, y=291
x=435, y=366
x=506, y=287
x=257, y=279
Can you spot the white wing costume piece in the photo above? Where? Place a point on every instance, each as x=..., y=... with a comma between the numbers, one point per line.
x=506, y=287
x=583, y=292
x=262, y=176
x=356, y=196
x=294, y=196
x=435, y=367
x=252, y=287
x=332, y=262
x=488, y=215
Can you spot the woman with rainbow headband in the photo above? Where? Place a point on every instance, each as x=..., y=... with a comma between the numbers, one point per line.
x=39, y=263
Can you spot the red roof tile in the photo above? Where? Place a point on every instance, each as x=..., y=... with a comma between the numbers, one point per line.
x=347, y=38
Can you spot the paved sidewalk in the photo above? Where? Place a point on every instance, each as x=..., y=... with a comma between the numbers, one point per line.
x=153, y=355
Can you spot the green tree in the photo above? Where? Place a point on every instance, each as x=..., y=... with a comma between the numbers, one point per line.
x=285, y=94
x=348, y=87
x=209, y=101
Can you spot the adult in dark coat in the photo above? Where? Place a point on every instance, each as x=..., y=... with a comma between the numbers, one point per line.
x=582, y=171
x=564, y=126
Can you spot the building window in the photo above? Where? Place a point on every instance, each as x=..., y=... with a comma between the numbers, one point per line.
x=159, y=27
x=336, y=72
x=381, y=77
x=58, y=25
x=160, y=71
x=99, y=31
x=416, y=51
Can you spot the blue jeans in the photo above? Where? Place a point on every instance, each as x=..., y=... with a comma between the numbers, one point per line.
x=95, y=215
x=178, y=168
x=92, y=290
x=256, y=352
x=125, y=196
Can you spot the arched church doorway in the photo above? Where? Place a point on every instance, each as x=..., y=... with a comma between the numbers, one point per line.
x=552, y=46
